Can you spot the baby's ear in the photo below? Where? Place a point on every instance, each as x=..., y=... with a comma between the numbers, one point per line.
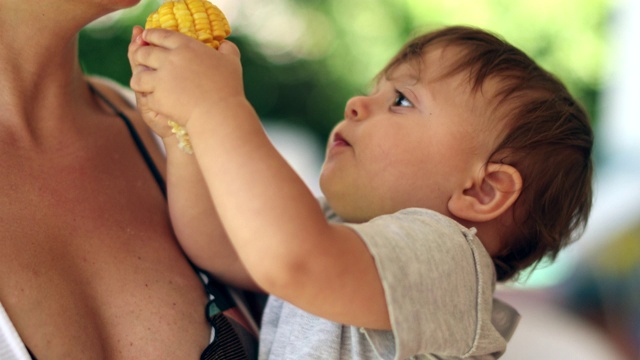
x=489, y=195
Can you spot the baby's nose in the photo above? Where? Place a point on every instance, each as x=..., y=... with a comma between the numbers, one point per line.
x=357, y=108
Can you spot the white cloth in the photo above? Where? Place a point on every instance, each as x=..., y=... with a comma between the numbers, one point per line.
x=438, y=281
x=11, y=345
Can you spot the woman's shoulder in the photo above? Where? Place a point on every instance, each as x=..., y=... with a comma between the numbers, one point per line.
x=123, y=99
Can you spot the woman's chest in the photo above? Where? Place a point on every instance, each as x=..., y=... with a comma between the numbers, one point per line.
x=91, y=266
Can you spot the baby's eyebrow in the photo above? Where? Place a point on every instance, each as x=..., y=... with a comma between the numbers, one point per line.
x=407, y=80
x=397, y=77
x=403, y=74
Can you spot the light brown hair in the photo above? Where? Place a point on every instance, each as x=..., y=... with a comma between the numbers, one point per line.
x=548, y=139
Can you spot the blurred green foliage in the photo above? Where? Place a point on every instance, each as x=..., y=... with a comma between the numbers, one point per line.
x=304, y=58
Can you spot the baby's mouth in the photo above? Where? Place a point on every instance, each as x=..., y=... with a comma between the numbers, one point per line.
x=339, y=140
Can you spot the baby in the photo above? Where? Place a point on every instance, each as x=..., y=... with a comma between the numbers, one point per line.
x=465, y=164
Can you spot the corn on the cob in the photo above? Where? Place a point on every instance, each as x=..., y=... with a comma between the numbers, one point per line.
x=198, y=19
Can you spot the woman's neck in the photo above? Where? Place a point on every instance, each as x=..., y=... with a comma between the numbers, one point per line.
x=38, y=61
x=39, y=75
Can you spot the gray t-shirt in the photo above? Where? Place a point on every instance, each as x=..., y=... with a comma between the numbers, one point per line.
x=438, y=282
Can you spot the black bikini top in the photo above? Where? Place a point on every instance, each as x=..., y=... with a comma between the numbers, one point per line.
x=136, y=138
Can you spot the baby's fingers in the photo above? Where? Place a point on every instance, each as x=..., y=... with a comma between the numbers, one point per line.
x=165, y=38
x=136, y=37
x=229, y=48
x=143, y=81
x=149, y=56
x=136, y=42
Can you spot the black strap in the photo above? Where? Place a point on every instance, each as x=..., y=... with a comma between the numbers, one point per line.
x=232, y=340
x=136, y=138
x=226, y=345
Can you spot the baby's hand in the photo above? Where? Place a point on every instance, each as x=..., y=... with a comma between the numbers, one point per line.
x=179, y=75
x=157, y=122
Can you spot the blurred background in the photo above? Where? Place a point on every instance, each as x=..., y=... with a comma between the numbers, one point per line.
x=304, y=59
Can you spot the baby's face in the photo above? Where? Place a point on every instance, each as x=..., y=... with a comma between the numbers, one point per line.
x=414, y=140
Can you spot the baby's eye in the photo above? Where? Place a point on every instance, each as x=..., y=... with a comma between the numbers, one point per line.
x=401, y=100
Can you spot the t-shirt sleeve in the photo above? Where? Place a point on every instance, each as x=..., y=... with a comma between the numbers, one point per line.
x=438, y=283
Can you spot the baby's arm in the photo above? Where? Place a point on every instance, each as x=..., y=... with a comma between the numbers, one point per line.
x=196, y=222
x=193, y=215
x=272, y=219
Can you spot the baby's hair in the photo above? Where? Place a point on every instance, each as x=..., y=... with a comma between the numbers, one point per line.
x=547, y=138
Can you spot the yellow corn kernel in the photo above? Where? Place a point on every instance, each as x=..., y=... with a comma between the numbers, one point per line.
x=198, y=19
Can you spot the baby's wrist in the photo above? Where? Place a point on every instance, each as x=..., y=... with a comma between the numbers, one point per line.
x=218, y=110
x=220, y=119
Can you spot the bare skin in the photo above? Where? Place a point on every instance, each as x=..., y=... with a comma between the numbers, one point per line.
x=399, y=147
x=89, y=266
